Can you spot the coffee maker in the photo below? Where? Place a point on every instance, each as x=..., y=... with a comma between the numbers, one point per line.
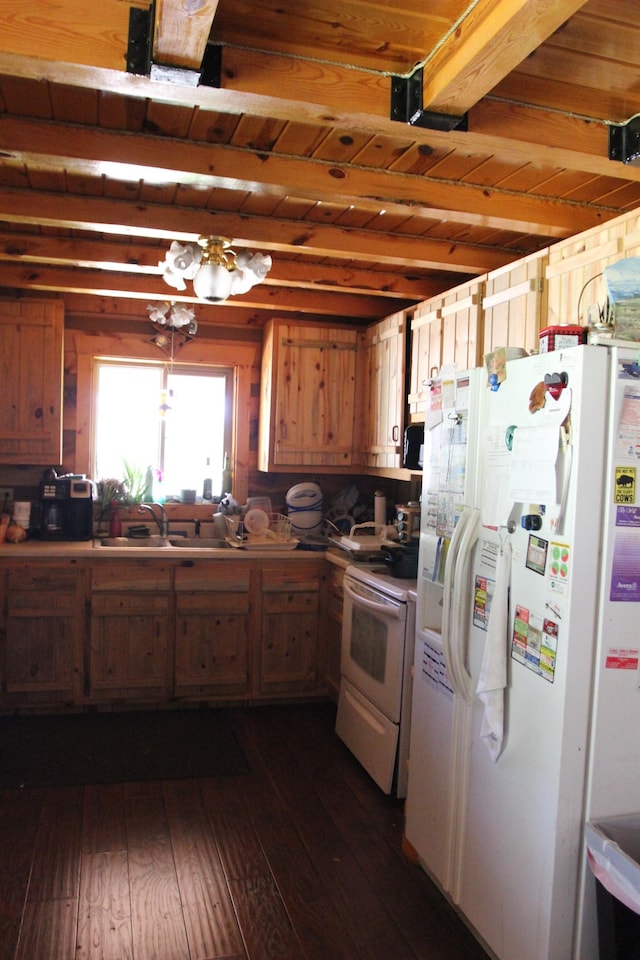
x=66, y=508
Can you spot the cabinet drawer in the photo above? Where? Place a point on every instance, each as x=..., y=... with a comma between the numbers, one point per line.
x=128, y=604
x=214, y=576
x=292, y=601
x=133, y=576
x=214, y=605
x=299, y=577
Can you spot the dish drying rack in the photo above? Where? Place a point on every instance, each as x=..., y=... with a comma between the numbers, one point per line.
x=279, y=530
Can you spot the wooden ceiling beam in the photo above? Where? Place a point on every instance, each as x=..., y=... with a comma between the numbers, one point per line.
x=153, y=289
x=157, y=159
x=181, y=32
x=136, y=257
x=124, y=218
x=289, y=89
x=492, y=39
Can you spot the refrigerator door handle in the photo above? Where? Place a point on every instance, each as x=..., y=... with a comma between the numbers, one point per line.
x=463, y=683
x=448, y=605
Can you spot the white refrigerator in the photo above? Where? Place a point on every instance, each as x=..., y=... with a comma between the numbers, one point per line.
x=528, y=585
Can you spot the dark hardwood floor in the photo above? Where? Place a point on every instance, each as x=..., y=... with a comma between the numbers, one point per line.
x=299, y=860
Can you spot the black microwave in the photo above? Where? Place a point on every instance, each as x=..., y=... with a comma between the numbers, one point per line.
x=413, y=456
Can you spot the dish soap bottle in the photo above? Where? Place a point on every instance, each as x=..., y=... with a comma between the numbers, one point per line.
x=226, y=476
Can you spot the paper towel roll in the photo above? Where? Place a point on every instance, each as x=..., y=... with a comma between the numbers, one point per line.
x=379, y=507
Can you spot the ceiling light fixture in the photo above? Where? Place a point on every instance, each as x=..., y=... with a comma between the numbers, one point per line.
x=216, y=270
x=174, y=315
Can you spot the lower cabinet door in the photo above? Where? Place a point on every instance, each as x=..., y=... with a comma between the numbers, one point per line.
x=129, y=647
x=213, y=608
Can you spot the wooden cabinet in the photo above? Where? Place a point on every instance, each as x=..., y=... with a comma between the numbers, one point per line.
x=308, y=396
x=147, y=630
x=332, y=625
x=42, y=628
x=131, y=630
x=212, y=599
x=290, y=654
x=31, y=335
x=515, y=304
x=445, y=331
x=382, y=362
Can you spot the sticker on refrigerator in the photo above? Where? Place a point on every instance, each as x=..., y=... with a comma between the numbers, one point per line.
x=625, y=568
x=559, y=566
x=534, y=642
x=628, y=433
x=625, y=485
x=482, y=596
x=621, y=658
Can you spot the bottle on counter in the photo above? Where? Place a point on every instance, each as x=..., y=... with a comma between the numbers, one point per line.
x=115, y=523
x=226, y=476
x=207, y=486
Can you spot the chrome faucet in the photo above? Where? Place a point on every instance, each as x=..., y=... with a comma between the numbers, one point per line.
x=160, y=518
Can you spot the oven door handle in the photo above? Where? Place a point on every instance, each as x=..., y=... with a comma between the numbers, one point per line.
x=392, y=612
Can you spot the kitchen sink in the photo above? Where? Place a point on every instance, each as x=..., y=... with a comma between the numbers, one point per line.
x=152, y=542
x=155, y=542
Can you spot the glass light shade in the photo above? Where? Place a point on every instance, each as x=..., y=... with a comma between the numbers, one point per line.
x=212, y=283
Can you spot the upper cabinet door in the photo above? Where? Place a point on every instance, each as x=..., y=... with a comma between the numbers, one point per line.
x=307, y=404
x=384, y=393
x=31, y=363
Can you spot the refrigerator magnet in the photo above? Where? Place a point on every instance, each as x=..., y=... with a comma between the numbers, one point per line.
x=536, y=554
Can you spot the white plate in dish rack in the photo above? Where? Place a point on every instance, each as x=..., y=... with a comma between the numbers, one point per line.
x=256, y=521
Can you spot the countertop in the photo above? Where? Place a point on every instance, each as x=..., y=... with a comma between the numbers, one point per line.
x=93, y=550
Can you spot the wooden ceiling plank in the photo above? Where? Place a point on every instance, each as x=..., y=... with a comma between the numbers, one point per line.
x=149, y=158
x=181, y=32
x=494, y=37
x=82, y=32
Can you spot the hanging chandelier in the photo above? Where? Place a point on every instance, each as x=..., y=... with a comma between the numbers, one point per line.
x=216, y=270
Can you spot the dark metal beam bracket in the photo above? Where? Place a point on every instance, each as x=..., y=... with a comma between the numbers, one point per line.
x=140, y=41
x=624, y=141
x=406, y=106
x=140, y=49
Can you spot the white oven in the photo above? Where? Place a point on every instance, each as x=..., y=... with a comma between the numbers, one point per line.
x=375, y=687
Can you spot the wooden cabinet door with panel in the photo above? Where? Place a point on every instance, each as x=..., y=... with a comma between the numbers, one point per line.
x=445, y=331
x=290, y=655
x=213, y=611
x=31, y=336
x=382, y=360
x=307, y=403
x=43, y=619
x=515, y=304
x=130, y=655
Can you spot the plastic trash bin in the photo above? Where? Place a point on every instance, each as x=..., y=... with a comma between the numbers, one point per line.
x=613, y=850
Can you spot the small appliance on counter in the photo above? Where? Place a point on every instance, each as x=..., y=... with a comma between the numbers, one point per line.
x=66, y=507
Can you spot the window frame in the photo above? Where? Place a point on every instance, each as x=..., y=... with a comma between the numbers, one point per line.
x=178, y=368
x=242, y=358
